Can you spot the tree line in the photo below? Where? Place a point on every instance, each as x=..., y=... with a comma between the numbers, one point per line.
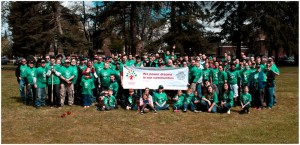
x=136, y=27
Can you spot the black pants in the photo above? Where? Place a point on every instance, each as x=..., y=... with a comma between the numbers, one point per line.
x=56, y=94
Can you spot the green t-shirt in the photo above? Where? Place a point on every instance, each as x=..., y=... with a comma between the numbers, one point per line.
x=206, y=74
x=222, y=77
x=214, y=73
x=189, y=98
x=105, y=76
x=109, y=101
x=40, y=74
x=115, y=87
x=67, y=72
x=245, y=75
x=213, y=98
x=180, y=100
x=87, y=86
x=117, y=75
x=275, y=69
x=23, y=69
x=56, y=79
x=233, y=76
x=227, y=97
x=112, y=66
x=82, y=67
x=195, y=74
x=138, y=64
x=246, y=97
x=30, y=74
x=130, y=62
x=160, y=98
x=75, y=71
x=98, y=67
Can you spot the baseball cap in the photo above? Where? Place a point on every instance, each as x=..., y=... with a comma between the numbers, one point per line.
x=42, y=61
x=67, y=61
x=160, y=87
x=31, y=62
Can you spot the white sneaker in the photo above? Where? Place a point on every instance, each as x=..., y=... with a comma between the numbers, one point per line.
x=228, y=112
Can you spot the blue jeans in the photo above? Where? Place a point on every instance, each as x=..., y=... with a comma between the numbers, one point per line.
x=22, y=89
x=274, y=95
x=192, y=106
x=177, y=107
x=225, y=108
x=87, y=99
x=270, y=97
x=31, y=93
x=199, y=89
x=204, y=105
x=165, y=107
x=40, y=97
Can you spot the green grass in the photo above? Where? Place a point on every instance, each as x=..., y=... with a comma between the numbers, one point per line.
x=25, y=124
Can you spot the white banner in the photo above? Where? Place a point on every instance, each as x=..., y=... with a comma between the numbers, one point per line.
x=142, y=77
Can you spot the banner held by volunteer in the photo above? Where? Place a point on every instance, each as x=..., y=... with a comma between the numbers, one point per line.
x=140, y=78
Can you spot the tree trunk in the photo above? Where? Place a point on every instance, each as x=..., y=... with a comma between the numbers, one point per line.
x=57, y=14
x=132, y=28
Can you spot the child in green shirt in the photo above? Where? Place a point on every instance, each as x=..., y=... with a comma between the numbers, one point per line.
x=179, y=99
x=245, y=99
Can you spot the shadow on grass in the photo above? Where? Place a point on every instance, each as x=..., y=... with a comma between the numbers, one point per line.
x=17, y=99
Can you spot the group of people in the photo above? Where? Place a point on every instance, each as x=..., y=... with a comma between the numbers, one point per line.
x=215, y=84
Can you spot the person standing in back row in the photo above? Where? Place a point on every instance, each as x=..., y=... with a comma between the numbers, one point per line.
x=21, y=78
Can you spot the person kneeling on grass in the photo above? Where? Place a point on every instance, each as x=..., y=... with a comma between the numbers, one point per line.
x=209, y=101
x=196, y=101
x=179, y=99
x=108, y=101
x=188, y=101
x=226, y=99
x=131, y=100
x=146, y=102
x=245, y=99
x=160, y=99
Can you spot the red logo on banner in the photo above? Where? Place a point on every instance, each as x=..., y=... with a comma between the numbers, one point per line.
x=131, y=74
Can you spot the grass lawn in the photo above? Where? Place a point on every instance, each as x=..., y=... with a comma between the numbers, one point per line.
x=27, y=125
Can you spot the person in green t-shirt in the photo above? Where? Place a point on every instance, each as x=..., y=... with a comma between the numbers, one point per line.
x=222, y=78
x=160, y=99
x=214, y=73
x=233, y=78
x=130, y=61
x=114, y=85
x=87, y=84
x=226, y=99
x=179, y=100
x=257, y=85
x=21, y=78
x=40, y=83
x=109, y=101
x=30, y=74
x=209, y=101
x=196, y=101
x=67, y=74
x=73, y=65
x=245, y=75
x=53, y=72
x=246, y=100
x=104, y=76
x=206, y=73
x=188, y=101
